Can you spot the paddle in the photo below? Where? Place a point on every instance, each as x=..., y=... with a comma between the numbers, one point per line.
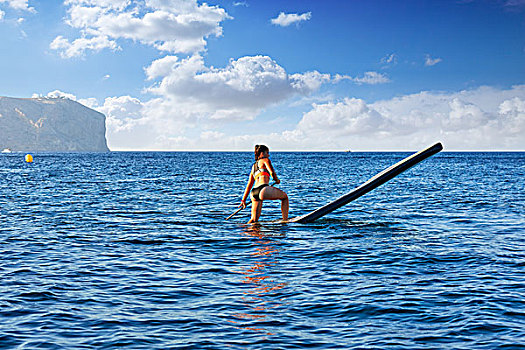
x=238, y=210
x=241, y=208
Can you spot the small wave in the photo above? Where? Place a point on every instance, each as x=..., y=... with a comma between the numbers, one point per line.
x=36, y=296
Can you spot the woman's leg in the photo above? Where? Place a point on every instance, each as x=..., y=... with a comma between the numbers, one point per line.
x=272, y=193
x=256, y=211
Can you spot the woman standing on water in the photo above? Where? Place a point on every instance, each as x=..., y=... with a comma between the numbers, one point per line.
x=260, y=176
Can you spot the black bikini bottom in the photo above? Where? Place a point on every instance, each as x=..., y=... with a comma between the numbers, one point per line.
x=257, y=190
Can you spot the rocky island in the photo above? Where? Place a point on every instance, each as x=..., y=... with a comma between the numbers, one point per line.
x=50, y=124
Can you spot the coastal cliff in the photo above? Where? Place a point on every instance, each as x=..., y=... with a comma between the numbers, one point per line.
x=50, y=124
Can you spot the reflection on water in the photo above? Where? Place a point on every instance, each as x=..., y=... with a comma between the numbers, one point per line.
x=261, y=297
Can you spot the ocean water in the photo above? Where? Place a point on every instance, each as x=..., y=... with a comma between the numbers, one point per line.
x=132, y=250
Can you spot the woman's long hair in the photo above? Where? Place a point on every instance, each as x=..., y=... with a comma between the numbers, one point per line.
x=260, y=149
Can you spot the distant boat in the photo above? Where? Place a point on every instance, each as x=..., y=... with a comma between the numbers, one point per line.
x=6, y=150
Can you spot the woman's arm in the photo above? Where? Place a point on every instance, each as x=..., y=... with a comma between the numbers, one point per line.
x=272, y=170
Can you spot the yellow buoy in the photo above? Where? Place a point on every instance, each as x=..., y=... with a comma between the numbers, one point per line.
x=29, y=158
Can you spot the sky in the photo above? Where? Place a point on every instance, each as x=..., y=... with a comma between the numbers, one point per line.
x=297, y=75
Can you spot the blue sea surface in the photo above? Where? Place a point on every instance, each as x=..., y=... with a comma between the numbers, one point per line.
x=132, y=250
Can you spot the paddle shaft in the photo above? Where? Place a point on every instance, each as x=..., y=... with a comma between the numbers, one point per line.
x=238, y=210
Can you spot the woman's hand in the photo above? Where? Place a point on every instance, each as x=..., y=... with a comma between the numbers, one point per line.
x=243, y=204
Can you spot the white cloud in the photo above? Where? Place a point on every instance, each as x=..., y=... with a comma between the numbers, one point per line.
x=122, y=113
x=371, y=78
x=83, y=17
x=286, y=19
x=177, y=26
x=133, y=124
x=429, y=61
x=464, y=116
x=241, y=3
x=212, y=135
x=193, y=97
x=112, y=4
x=88, y=102
x=161, y=67
x=237, y=92
x=79, y=46
x=56, y=94
x=348, y=117
x=484, y=118
x=307, y=82
x=18, y=5
x=389, y=59
x=21, y=5
x=513, y=115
